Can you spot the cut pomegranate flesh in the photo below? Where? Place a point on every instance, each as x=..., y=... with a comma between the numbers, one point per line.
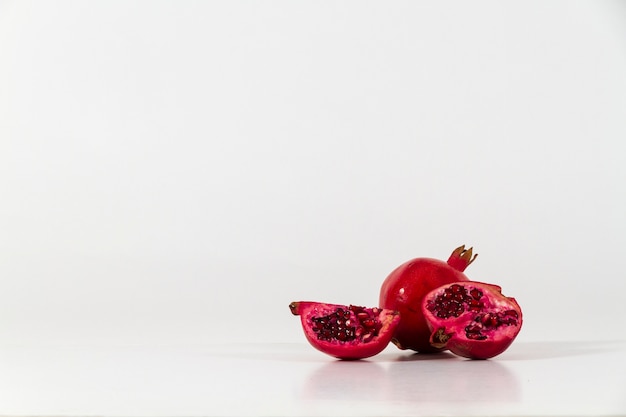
x=346, y=332
x=472, y=319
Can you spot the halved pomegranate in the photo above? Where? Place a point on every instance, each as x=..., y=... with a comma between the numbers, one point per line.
x=472, y=319
x=346, y=332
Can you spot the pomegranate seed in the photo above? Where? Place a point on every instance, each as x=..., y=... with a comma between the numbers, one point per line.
x=456, y=288
x=476, y=293
x=475, y=305
x=511, y=313
x=368, y=323
x=476, y=336
x=367, y=337
x=362, y=316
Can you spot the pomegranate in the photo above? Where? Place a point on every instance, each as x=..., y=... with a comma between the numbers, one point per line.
x=346, y=332
x=472, y=319
x=404, y=289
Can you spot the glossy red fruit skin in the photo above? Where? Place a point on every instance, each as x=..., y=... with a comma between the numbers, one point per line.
x=405, y=287
x=449, y=333
x=347, y=350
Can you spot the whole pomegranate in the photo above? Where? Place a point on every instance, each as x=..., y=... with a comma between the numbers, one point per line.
x=404, y=290
x=346, y=332
x=472, y=319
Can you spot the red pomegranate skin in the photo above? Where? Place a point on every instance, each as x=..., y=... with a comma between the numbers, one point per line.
x=404, y=290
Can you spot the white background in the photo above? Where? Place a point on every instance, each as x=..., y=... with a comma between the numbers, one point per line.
x=178, y=172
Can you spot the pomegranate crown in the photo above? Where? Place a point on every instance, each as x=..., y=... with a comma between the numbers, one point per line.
x=461, y=258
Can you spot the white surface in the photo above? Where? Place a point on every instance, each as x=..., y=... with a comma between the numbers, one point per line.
x=176, y=172
x=530, y=379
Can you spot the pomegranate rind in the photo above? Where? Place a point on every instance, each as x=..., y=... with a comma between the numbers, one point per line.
x=350, y=350
x=449, y=333
x=404, y=289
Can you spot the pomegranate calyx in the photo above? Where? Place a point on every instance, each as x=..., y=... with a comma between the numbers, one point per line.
x=440, y=338
x=461, y=258
x=295, y=308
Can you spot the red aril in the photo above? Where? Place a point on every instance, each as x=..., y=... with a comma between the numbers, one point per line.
x=346, y=332
x=472, y=319
x=404, y=289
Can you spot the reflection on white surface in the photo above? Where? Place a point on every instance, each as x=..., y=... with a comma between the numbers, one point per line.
x=362, y=381
x=452, y=380
x=414, y=378
x=573, y=378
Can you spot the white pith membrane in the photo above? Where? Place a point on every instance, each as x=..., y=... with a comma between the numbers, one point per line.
x=346, y=324
x=463, y=310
